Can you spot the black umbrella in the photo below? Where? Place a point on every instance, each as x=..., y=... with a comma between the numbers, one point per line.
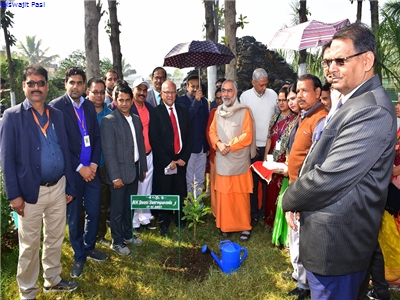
x=198, y=54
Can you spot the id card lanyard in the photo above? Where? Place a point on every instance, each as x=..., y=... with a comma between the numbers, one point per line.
x=43, y=129
x=86, y=138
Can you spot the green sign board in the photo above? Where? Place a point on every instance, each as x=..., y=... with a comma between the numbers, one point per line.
x=163, y=202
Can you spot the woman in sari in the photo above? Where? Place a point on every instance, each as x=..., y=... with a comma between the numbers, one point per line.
x=389, y=235
x=278, y=137
x=281, y=230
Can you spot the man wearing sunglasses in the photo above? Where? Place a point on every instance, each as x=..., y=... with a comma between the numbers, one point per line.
x=34, y=157
x=342, y=187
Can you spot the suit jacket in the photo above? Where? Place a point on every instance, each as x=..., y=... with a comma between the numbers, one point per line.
x=118, y=148
x=20, y=152
x=148, y=106
x=162, y=136
x=199, y=113
x=64, y=104
x=151, y=98
x=342, y=191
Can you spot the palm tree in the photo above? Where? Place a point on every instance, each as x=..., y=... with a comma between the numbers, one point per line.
x=127, y=69
x=388, y=42
x=33, y=53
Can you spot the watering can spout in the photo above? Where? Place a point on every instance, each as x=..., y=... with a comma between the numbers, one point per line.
x=205, y=249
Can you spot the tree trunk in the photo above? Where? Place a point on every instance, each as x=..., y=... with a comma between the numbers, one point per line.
x=230, y=35
x=114, y=38
x=92, y=18
x=210, y=25
x=211, y=34
x=359, y=10
x=374, y=15
x=7, y=39
x=374, y=5
x=302, y=53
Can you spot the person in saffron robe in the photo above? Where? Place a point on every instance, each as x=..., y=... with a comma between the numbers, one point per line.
x=232, y=136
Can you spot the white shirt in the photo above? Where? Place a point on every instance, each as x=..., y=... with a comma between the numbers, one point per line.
x=262, y=108
x=130, y=122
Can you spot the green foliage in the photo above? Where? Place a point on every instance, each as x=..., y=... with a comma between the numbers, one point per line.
x=242, y=21
x=78, y=59
x=6, y=21
x=18, y=65
x=194, y=209
x=6, y=221
x=33, y=53
x=388, y=43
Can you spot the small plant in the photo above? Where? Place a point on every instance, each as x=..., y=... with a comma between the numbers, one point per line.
x=194, y=209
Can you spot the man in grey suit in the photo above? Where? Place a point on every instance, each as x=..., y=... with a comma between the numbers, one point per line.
x=341, y=191
x=125, y=160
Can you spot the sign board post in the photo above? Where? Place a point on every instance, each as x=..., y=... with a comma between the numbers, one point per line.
x=160, y=202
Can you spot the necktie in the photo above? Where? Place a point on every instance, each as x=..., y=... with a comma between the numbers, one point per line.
x=158, y=100
x=177, y=145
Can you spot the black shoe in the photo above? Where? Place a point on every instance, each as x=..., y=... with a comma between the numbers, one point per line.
x=288, y=276
x=77, y=269
x=62, y=286
x=163, y=231
x=254, y=222
x=96, y=255
x=300, y=293
x=372, y=295
x=137, y=231
x=104, y=241
x=150, y=226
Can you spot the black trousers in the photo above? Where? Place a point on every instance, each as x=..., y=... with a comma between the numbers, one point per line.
x=258, y=213
x=376, y=271
x=170, y=185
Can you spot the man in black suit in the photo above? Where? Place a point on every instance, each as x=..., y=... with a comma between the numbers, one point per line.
x=83, y=135
x=171, y=148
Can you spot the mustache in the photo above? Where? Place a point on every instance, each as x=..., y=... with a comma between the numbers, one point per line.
x=36, y=91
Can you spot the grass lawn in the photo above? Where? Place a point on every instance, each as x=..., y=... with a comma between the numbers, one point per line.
x=121, y=278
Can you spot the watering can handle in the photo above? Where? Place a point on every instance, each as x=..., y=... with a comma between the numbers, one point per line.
x=244, y=254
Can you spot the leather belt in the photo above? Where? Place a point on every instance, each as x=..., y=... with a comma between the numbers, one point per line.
x=147, y=154
x=48, y=184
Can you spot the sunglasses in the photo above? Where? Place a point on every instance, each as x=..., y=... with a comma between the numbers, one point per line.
x=40, y=83
x=326, y=63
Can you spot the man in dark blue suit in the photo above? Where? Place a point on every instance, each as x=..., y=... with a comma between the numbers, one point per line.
x=84, y=146
x=197, y=105
x=35, y=163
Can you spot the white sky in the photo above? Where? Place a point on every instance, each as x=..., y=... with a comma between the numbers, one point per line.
x=151, y=28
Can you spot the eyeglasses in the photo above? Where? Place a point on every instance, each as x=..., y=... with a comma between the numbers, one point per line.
x=168, y=93
x=226, y=90
x=281, y=100
x=326, y=63
x=40, y=83
x=97, y=93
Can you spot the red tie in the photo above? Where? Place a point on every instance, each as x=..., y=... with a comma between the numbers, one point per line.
x=177, y=145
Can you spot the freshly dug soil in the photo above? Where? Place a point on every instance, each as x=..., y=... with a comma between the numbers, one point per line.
x=194, y=264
